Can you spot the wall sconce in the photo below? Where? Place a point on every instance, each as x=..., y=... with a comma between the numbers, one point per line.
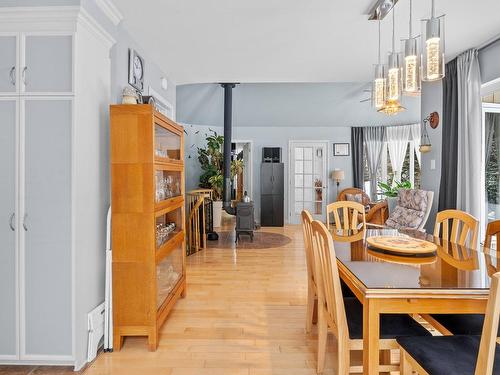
x=425, y=141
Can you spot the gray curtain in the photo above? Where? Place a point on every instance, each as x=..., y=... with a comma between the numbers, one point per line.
x=357, y=157
x=374, y=137
x=448, y=183
x=469, y=190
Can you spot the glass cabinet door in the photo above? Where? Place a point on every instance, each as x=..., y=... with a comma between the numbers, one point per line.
x=167, y=144
x=168, y=185
x=167, y=226
x=168, y=273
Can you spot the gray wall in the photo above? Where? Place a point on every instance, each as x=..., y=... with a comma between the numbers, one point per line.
x=274, y=114
x=489, y=62
x=432, y=101
x=288, y=105
x=271, y=136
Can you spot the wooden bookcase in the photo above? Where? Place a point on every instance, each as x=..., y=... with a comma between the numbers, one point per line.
x=147, y=184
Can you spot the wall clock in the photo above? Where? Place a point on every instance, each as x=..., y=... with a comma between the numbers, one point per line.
x=135, y=70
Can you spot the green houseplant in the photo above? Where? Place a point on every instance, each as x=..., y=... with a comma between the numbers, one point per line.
x=211, y=160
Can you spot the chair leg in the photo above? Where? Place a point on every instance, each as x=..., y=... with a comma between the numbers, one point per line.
x=310, y=309
x=344, y=358
x=322, y=341
x=404, y=365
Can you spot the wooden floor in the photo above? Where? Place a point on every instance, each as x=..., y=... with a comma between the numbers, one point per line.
x=244, y=314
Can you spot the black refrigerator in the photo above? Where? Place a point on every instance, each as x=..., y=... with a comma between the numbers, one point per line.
x=272, y=195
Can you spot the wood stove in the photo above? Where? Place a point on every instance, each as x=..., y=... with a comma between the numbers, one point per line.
x=245, y=222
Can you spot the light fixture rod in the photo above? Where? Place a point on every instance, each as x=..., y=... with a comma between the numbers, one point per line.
x=379, y=59
x=393, y=32
x=411, y=16
x=433, y=11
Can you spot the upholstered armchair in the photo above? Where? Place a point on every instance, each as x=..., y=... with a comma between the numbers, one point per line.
x=376, y=212
x=412, y=209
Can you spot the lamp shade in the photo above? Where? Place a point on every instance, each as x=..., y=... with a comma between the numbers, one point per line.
x=337, y=175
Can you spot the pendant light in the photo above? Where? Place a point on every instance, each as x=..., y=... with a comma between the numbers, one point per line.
x=411, y=69
x=379, y=81
x=433, y=51
x=393, y=91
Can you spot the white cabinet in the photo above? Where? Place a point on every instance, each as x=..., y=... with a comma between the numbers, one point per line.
x=54, y=190
x=46, y=226
x=8, y=274
x=47, y=64
x=36, y=64
x=8, y=63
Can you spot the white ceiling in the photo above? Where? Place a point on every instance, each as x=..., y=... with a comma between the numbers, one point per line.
x=287, y=40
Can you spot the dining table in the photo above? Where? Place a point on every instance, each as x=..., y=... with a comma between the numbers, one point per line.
x=450, y=279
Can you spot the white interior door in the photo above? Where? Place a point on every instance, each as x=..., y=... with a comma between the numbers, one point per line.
x=308, y=179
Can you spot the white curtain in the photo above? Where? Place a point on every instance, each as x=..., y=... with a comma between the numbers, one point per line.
x=374, y=137
x=397, y=142
x=469, y=133
x=415, y=136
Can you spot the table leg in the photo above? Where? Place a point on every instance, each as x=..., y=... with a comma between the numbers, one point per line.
x=371, y=334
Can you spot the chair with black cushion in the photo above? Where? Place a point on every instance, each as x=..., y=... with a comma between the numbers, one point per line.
x=344, y=316
x=465, y=324
x=459, y=354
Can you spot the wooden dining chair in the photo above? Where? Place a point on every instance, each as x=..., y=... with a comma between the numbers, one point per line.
x=347, y=215
x=460, y=354
x=312, y=295
x=466, y=324
x=344, y=316
x=464, y=228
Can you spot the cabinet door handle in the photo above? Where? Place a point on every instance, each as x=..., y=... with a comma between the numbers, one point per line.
x=11, y=221
x=24, y=222
x=12, y=75
x=24, y=75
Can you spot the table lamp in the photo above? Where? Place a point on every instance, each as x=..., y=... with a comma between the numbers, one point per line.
x=337, y=175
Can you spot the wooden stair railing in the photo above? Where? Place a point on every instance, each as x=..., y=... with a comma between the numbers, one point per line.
x=196, y=220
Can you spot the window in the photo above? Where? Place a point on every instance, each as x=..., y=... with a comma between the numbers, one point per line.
x=411, y=169
x=491, y=131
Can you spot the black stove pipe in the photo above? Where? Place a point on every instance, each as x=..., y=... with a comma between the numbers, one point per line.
x=228, y=127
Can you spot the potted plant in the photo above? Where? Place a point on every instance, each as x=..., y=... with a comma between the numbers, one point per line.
x=391, y=191
x=212, y=164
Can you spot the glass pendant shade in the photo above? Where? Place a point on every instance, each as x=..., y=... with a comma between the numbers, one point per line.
x=379, y=87
x=392, y=107
x=411, y=67
x=433, y=49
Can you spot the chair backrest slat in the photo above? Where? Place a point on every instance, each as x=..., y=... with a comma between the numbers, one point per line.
x=486, y=356
x=328, y=280
x=493, y=229
x=463, y=227
x=353, y=214
x=307, y=232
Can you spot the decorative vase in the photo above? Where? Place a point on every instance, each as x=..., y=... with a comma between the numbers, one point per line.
x=391, y=203
x=217, y=213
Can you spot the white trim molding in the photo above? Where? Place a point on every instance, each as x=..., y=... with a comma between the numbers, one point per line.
x=110, y=10
x=44, y=18
x=85, y=19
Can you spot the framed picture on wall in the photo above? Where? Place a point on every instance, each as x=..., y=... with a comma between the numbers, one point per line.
x=341, y=149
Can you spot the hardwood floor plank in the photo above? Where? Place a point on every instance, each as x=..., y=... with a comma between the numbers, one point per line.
x=244, y=314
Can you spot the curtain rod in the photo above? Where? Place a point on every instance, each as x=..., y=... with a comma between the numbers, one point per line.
x=489, y=42
x=387, y=126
